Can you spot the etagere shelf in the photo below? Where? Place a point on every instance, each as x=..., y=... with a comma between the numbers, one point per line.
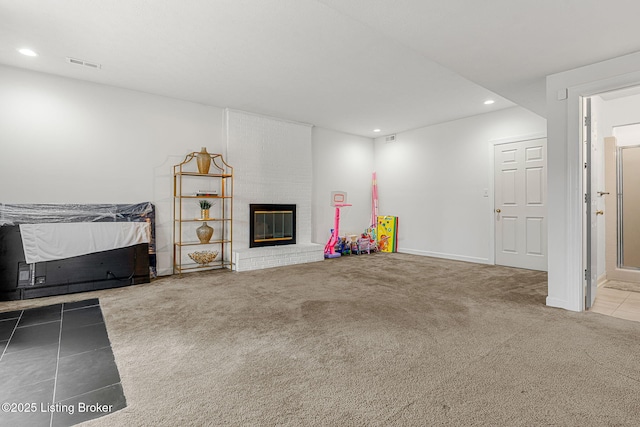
x=190, y=186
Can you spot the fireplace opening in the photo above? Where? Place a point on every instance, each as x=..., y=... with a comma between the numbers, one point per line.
x=272, y=224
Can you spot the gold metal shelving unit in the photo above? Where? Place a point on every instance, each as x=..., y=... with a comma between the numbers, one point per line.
x=186, y=181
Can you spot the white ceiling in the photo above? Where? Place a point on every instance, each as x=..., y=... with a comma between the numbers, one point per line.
x=349, y=65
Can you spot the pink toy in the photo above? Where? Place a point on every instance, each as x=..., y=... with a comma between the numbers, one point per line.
x=330, y=247
x=374, y=201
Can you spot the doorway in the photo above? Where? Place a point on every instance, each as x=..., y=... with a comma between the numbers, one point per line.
x=612, y=202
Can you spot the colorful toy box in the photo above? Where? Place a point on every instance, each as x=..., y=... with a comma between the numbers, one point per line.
x=387, y=233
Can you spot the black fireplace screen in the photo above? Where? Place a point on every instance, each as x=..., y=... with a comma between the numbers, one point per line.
x=272, y=224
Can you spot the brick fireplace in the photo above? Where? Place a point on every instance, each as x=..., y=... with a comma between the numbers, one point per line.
x=272, y=165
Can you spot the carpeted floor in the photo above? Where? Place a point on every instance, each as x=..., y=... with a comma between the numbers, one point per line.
x=383, y=340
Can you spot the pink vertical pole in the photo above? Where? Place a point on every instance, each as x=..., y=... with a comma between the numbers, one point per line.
x=374, y=201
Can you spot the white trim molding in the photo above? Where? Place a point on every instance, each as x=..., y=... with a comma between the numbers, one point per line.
x=454, y=257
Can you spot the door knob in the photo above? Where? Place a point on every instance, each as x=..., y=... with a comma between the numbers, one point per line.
x=599, y=212
x=498, y=210
x=602, y=193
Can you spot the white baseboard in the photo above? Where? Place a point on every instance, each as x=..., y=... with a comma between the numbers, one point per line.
x=602, y=280
x=164, y=272
x=444, y=256
x=558, y=303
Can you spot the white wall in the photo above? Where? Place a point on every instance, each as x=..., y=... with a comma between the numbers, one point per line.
x=69, y=141
x=433, y=179
x=622, y=111
x=566, y=195
x=341, y=162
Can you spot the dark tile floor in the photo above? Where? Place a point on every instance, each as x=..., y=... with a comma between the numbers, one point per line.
x=56, y=366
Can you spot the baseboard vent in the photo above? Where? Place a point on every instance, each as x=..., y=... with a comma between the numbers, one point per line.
x=83, y=63
x=390, y=138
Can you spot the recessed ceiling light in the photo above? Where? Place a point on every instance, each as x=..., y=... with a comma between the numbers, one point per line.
x=376, y=130
x=27, y=52
x=489, y=102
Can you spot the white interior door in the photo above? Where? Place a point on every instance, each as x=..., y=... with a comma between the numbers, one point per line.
x=521, y=204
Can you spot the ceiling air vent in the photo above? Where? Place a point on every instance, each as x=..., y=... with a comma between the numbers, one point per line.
x=390, y=138
x=83, y=63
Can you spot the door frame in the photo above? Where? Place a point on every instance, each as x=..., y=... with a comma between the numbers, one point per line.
x=576, y=239
x=589, y=218
x=491, y=193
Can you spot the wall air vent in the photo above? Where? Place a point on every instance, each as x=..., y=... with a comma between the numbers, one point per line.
x=83, y=63
x=389, y=138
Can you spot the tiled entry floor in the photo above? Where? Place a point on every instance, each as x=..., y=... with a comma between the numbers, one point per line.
x=56, y=366
x=617, y=303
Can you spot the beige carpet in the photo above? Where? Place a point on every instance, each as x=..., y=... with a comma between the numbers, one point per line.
x=382, y=340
